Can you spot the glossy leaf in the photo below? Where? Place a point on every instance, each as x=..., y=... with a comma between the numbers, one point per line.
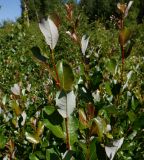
x=55, y=129
x=99, y=127
x=65, y=75
x=49, y=109
x=32, y=138
x=73, y=125
x=68, y=155
x=50, y=32
x=66, y=103
x=37, y=53
x=93, y=154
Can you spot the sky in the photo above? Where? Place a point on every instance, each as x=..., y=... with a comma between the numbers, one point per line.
x=10, y=10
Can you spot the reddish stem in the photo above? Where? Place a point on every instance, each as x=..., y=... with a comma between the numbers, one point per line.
x=56, y=72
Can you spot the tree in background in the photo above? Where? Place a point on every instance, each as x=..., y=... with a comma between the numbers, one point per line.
x=38, y=9
x=95, y=9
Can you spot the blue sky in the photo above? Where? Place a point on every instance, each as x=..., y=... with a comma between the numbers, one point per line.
x=10, y=9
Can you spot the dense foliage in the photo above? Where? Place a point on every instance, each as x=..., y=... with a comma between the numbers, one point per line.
x=79, y=94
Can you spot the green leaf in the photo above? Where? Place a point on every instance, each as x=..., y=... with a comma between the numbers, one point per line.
x=132, y=116
x=49, y=109
x=37, y=53
x=68, y=155
x=66, y=75
x=128, y=48
x=93, y=154
x=56, y=129
x=73, y=125
x=124, y=36
x=51, y=154
x=108, y=88
x=32, y=138
x=33, y=157
x=40, y=128
x=99, y=127
x=111, y=65
x=3, y=141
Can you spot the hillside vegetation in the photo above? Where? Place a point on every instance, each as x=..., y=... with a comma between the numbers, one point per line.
x=75, y=90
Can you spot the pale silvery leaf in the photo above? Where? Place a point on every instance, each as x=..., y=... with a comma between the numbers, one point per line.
x=129, y=75
x=24, y=118
x=50, y=32
x=127, y=9
x=96, y=96
x=128, y=78
x=84, y=44
x=108, y=128
x=66, y=104
x=28, y=87
x=111, y=151
x=16, y=89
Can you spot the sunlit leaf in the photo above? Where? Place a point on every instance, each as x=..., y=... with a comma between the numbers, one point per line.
x=4, y=99
x=121, y=7
x=99, y=127
x=50, y=32
x=84, y=44
x=24, y=115
x=127, y=9
x=16, y=89
x=111, y=150
x=66, y=103
x=49, y=109
x=56, y=129
x=40, y=128
x=66, y=75
x=16, y=108
x=32, y=138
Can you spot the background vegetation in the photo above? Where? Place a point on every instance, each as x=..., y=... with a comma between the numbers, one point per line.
x=106, y=97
